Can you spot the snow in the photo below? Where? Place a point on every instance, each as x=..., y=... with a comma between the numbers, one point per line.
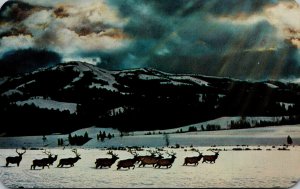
x=11, y=92
x=271, y=85
x=265, y=169
x=176, y=83
x=223, y=122
x=104, y=75
x=275, y=135
x=125, y=74
x=100, y=75
x=201, y=98
x=49, y=104
x=78, y=78
x=148, y=77
x=3, y=80
x=23, y=85
x=116, y=111
x=100, y=86
x=286, y=105
x=195, y=80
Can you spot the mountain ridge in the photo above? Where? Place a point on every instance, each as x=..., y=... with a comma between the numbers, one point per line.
x=138, y=99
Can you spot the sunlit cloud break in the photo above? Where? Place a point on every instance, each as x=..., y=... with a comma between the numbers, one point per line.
x=210, y=37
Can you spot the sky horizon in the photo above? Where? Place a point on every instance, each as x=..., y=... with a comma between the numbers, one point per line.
x=248, y=39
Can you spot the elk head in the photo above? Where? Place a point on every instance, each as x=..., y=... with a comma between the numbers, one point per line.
x=76, y=153
x=20, y=153
x=152, y=152
x=133, y=152
x=114, y=156
x=172, y=154
x=200, y=154
x=47, y=153
x=160, y=156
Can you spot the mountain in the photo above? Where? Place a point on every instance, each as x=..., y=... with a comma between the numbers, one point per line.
x=74, y=95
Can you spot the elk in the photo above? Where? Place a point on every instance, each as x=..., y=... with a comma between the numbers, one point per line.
x=127, y=163
x=45, y=161
x=193, y=160
x=150, y=160
x=106, y=162
x=16, y=159
x=139, y=158
x=210, y=158
x=69, y=161
x=166, y=162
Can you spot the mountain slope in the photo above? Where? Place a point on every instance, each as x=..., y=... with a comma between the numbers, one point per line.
x=77, y=95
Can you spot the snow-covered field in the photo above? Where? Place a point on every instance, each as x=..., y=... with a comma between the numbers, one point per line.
x=49, y=104
x=232, y=169
x=274, y=135
x=268, y=167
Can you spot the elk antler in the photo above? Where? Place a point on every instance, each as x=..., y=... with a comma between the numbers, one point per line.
x=159, y=154
x=47, y=153
x=171, y=154
x=132, y=152
x=152, y=152
x=75, y=151
x=20, y=153
x=111, y=153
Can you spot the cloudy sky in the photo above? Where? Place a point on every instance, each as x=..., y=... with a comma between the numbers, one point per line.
x=245, y=39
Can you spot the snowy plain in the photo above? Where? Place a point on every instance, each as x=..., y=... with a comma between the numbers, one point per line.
x=232, y=169
x=265, y=168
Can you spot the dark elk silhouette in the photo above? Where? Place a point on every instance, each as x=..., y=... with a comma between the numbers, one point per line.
x=166, y=162
x=210, y=158
x=106, y=162
x=193, y=160
x=139, y=158
x=69, y=161
x=127, y=163
x=150, y=160
x=45, y=161
x=16, y=159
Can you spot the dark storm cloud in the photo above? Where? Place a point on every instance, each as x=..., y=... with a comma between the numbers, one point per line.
x=234, y=38
x=16, y=11
x=20, y=61
x=189, y=37
x=15, y=32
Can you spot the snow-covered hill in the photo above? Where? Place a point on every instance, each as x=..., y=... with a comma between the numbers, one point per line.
x=125, y=99
x=273, y=135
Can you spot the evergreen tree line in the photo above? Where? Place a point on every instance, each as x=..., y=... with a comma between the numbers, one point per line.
x=102, y=135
